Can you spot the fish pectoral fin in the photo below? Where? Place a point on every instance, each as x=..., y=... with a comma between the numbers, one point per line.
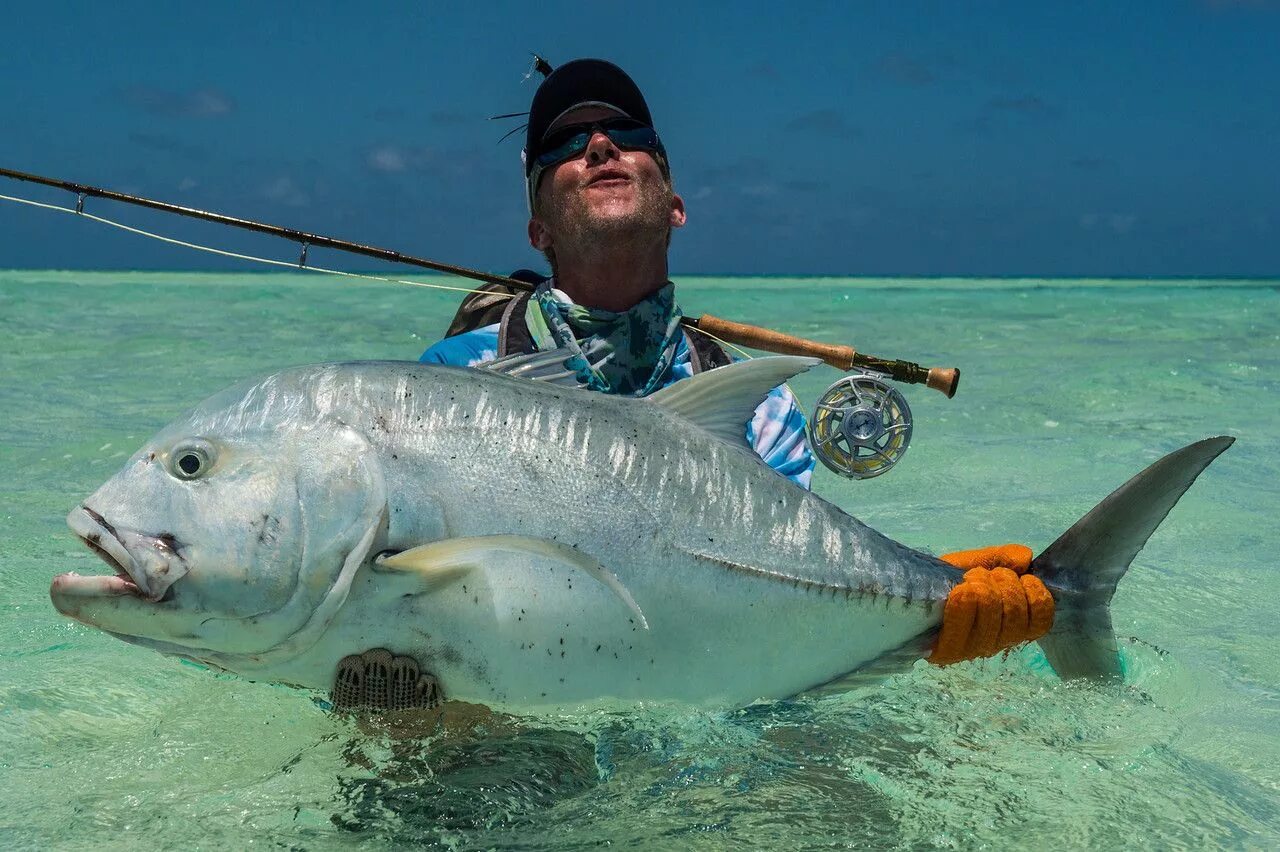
x=442, y=562
x=436, y=564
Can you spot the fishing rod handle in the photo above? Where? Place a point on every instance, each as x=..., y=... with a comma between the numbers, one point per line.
x=844, y=358
x=840, y=357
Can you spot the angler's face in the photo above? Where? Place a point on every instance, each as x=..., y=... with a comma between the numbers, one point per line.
x=604, y=188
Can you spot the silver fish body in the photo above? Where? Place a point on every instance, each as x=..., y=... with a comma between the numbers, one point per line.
x=558, y=549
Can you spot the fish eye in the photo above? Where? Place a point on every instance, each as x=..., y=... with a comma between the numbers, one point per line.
x=192, y=458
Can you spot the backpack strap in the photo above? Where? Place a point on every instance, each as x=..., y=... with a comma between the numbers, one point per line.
x=704, y=353
x=488, y=304
x=513, y=332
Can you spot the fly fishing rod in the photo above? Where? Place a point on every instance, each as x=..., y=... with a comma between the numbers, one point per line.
x=860, y=428
x=844, y=358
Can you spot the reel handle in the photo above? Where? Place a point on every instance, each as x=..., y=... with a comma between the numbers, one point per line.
x=844, y=358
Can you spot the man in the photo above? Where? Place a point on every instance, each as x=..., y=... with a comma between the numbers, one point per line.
x=602, y=208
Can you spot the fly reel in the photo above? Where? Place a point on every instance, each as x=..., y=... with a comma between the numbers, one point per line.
x=861, y=426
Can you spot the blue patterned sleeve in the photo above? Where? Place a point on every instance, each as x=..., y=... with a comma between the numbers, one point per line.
x=465, y=350
x=778, y=434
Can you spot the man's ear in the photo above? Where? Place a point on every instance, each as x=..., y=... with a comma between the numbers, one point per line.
x=678, y=216
x=539, y=236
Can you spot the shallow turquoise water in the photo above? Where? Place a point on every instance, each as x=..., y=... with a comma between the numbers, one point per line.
x=1069, y=388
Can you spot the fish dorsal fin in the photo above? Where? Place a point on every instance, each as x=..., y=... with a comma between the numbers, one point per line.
x=548, y=366
x=723, y=400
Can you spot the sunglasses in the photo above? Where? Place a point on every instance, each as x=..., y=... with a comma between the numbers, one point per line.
x=566, y=143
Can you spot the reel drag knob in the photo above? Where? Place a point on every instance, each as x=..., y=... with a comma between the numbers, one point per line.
x=860, y=427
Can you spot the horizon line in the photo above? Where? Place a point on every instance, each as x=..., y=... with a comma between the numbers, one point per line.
x=1001, y=276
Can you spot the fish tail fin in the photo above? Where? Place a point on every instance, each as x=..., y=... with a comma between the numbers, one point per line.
x=1084, y=565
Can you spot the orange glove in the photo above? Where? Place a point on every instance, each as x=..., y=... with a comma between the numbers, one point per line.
x=996, y=606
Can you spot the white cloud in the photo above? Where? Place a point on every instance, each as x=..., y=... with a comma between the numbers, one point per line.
x=197, y=103
x=387, y=158
x=284, y=191
x=1119, y=223
x=759, y=190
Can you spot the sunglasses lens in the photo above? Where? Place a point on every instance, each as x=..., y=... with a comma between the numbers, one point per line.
x=571, y=140
x=627, y=133
x=564, y=144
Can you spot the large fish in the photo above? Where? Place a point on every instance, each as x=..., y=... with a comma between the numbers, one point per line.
x=535, y=547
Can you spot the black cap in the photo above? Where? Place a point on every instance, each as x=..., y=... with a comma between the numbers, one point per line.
x=581, y=81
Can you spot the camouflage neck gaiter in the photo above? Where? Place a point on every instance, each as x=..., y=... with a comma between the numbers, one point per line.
x=631, y=350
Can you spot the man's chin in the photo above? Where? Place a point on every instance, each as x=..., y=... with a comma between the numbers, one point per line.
x=611, y=204
x=615, y=215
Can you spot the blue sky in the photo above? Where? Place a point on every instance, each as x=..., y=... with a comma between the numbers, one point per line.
x=894, y=138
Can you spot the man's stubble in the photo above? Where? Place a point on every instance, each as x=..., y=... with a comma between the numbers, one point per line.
x=576, y=230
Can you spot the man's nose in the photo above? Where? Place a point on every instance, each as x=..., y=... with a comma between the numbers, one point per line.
x=601, y=148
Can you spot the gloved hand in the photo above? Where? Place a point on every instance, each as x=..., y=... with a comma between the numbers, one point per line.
x=996, y=606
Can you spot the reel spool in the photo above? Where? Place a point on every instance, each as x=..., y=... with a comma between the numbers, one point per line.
x=861, y=426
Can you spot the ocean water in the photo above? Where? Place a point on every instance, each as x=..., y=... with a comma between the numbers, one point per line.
x=1069, y=388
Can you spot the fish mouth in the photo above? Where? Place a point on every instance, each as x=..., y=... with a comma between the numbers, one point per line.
x=122, y=573
x=130, y=577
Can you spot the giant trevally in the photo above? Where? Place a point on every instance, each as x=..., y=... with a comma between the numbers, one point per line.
x=536, y=547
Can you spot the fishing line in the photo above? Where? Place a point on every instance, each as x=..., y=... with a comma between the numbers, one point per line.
x=744, y=353
x=860, y=429
x=291, y=265
x=224, y=253
x=855, y=403
x=238, y=256
x=843, y=358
